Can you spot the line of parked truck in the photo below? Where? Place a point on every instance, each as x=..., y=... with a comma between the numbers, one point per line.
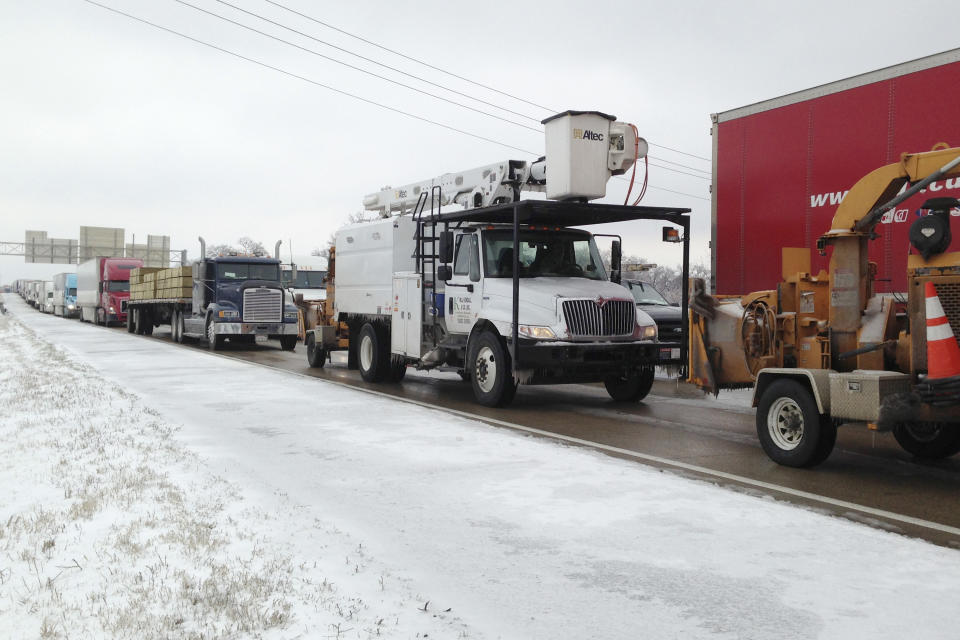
x=57, y=296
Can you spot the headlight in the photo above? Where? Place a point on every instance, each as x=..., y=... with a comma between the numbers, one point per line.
x=289, y=315
x=537, y=333
x=646, y=332
x=112, y=310
x=228, y=313
x=71, y=307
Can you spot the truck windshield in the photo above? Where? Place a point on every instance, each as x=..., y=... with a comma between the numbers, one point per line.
x=304, y=279
x=72, y=291
x=241, y=271
x=644, y=293
x=553, y=254
x=118, y=285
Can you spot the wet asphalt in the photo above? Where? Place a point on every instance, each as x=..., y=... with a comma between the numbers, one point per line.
x=868, y=478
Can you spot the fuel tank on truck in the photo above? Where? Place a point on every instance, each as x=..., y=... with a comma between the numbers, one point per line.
x=368, y=254
x=782, y=167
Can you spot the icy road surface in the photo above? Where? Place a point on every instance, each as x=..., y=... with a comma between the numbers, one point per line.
x=157, y=491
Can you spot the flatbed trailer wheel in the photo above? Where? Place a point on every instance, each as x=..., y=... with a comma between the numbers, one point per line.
x=316, y=356
x=372, y=354
x=932, y=441
x=175, y=327
x=790, y=428
x=130, y=326
x=491, y=372
x=631, y=388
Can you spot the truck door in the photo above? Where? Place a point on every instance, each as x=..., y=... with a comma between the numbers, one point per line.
x=465, y=289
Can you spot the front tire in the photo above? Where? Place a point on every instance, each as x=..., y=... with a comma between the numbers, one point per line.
x=631, y=388
x=491, y=372
x=316, y=356
x=372, y=355
x=214, y=342
x=931, y=441
x=288, y=343
x=790, y=428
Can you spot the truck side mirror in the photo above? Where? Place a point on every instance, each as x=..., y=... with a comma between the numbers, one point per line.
x=615, y=259
x=444, y=272
x=445, y=251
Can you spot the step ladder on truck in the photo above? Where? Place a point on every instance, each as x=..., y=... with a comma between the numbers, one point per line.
x=459, y=273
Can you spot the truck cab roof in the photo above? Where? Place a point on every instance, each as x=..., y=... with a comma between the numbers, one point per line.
x=246, y=259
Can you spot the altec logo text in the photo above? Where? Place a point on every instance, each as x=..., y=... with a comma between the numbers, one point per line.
x=580, y=134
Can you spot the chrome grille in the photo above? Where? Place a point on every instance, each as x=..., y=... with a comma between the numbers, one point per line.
x=262, y=305
x=603, y=318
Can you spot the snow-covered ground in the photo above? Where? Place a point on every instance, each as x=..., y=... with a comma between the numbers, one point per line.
x=154, y=491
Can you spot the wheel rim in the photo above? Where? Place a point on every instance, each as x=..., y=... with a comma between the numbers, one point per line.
x=922, y=432
x=785, y=423
x=486, y=369
x=366, y=353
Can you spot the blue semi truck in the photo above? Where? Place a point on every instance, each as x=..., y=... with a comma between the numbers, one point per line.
x=228, y=297
x=65, y=295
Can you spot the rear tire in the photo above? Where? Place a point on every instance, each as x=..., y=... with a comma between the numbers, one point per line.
x=790, y=428
x=491, y=372
x=130, y=326
x=928, y=441
x=398, y=368
x=631, y=388
x=372, y=356
x=316, y=356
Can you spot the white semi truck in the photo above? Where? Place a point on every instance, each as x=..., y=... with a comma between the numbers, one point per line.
x=504, y=291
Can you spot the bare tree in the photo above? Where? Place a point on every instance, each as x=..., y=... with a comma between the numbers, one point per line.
x=251, y=246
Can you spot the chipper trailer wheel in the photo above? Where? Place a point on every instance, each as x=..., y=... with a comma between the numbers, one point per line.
x=631, y=388
x=791, y=430
x=373, y=354
x=491, y=373
x=928, y=440
x=316, y=356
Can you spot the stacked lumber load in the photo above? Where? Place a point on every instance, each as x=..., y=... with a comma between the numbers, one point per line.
x=176, y=282
x=142, y=283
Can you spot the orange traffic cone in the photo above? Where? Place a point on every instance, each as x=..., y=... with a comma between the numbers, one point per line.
x=943, y=353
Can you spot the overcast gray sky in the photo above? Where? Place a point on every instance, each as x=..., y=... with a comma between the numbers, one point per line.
x=110, y=122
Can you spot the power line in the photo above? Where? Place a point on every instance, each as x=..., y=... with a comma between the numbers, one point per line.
x=376, y=62
x=677, y=164
x=449, y=73
x=355, y=68
x=375, y=75
x=405, y=56
x=339, y=91
x=313, y=82
x=692, y=175
x=681, y=152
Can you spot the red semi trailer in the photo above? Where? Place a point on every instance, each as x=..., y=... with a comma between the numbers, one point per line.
x=103, y=289
x=781, y=167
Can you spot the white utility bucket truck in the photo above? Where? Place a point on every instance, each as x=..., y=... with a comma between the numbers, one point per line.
x=504, y=291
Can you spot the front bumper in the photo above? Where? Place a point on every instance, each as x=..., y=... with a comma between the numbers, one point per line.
x=256, y=329
x=562, y=362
